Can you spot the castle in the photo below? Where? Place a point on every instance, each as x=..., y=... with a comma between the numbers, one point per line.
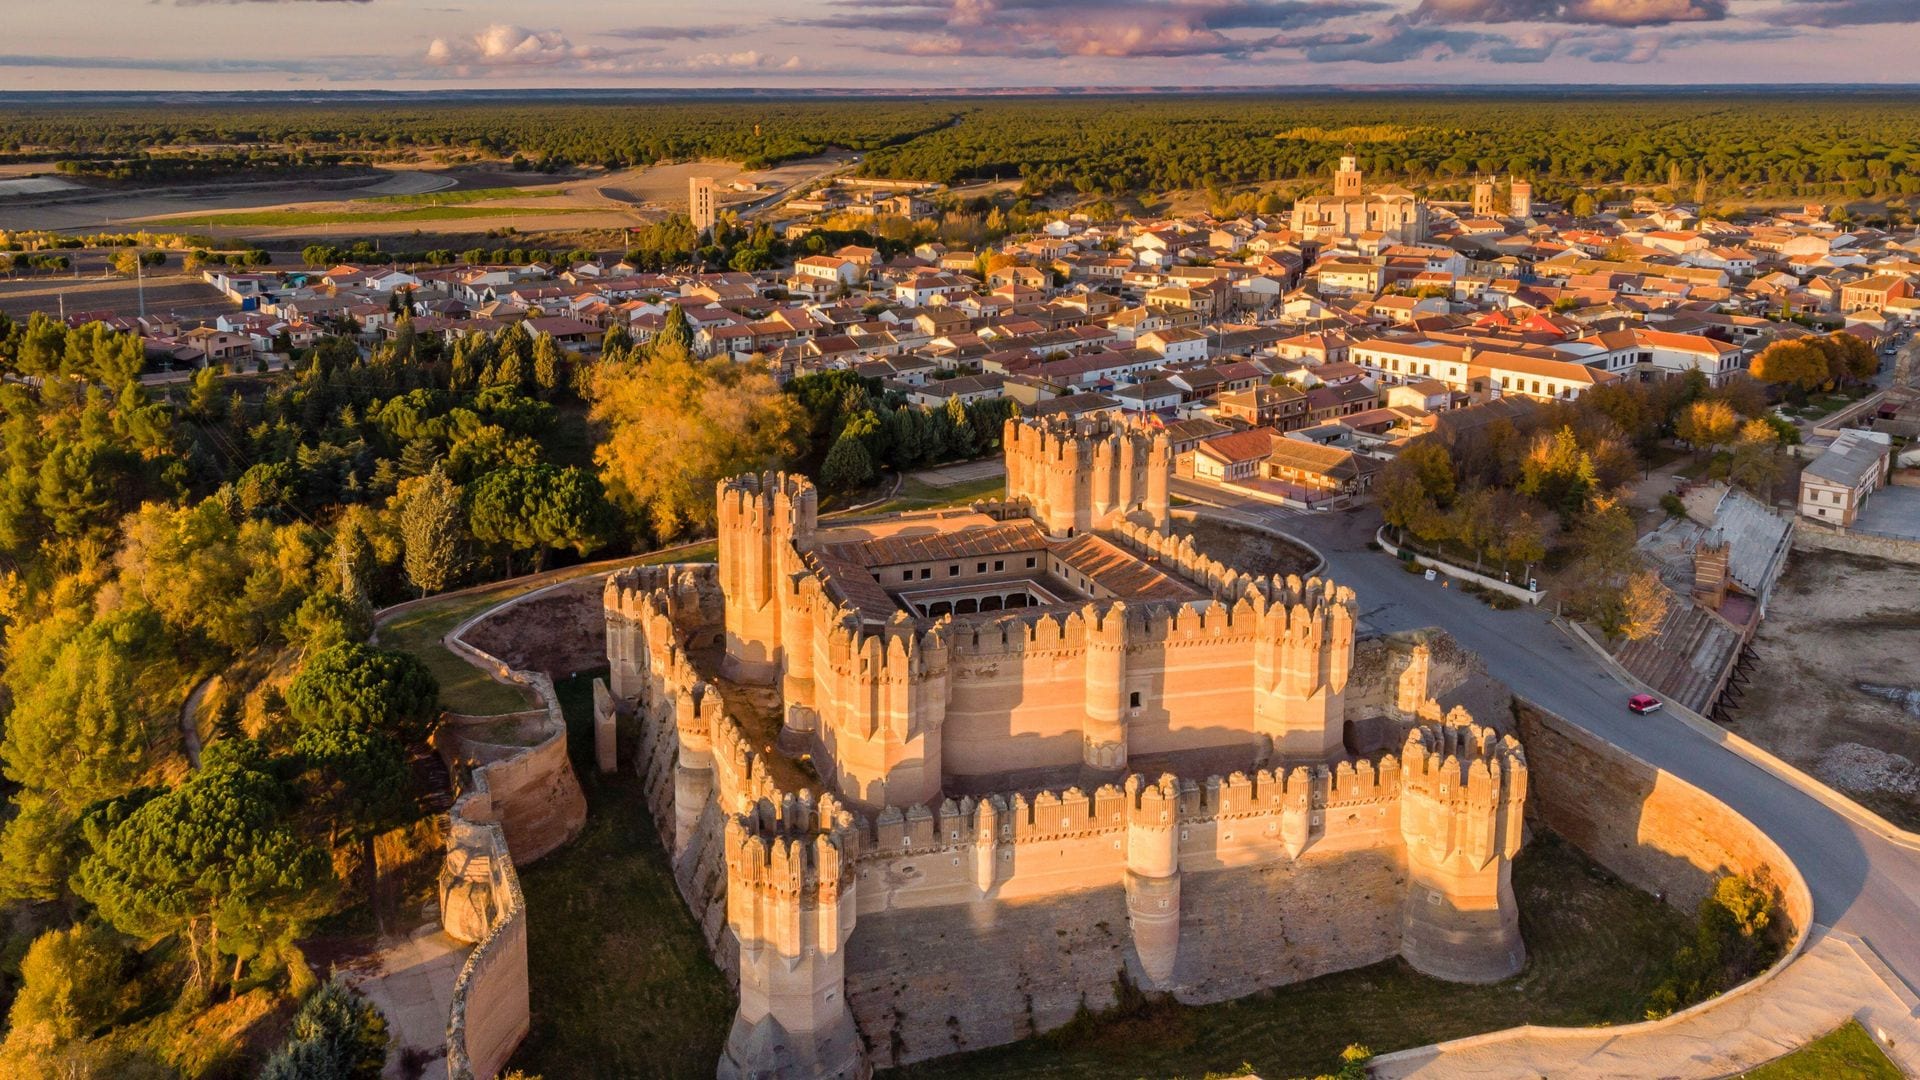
x=1350, y=212
x=937, y=781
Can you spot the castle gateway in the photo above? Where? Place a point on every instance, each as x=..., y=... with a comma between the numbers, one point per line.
x=934, y=781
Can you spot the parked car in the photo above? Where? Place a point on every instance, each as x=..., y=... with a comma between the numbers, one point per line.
x=1643, y=703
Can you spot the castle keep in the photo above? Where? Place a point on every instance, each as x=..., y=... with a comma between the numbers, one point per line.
x=934, y=781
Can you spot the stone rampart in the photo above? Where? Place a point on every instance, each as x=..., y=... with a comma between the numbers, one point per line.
x=1652, y=828
x=524, y=789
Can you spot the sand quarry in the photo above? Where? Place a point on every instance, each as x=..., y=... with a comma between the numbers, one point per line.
x=1834, y=688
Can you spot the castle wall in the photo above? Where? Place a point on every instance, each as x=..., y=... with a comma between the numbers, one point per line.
x=1655, y=830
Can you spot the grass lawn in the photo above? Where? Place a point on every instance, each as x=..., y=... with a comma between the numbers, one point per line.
x=1596, y=946
x=1845, y=1051
x=622, y=986
x=276, y=218
x=915, y=495
x=468, y=195
x=463, y=687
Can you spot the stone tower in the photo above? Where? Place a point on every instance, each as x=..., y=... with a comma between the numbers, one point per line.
x=1076, y=476
x=1346, y=182
x=790, y=905
x=702, y=207
x=1522, y=199
x=760, y=518
x=1302, y=655
x=1462, y=791
x=1483, y=196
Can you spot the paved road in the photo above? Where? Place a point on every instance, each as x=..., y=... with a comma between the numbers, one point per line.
x=1861, y=882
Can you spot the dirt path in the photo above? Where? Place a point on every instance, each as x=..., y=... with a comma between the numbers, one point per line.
x=190, y=721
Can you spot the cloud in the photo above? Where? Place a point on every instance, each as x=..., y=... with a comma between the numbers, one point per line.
x=672, y=33
x=1836, y=13
x=1391, y=42
x=1591, y=12
x=504, y=47
x=1048, y=29
x=1646, y=48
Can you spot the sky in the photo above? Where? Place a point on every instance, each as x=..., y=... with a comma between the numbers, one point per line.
x=444, y=44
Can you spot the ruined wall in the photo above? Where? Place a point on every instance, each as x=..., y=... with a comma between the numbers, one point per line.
x=1652, y=828
x=491, y=1010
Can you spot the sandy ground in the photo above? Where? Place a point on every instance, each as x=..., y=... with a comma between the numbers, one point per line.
x=1834, y=689
x=664, y=187
x=188, y=297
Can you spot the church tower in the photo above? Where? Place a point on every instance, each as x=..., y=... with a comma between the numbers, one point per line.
x=1346, y=182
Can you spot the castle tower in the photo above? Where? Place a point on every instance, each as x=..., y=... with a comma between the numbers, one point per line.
x=1483, y=195
x=761, y=518
x=1076, y=476
x=1522, y=199
x=790, y=905
x=1153, y=876
x=702, y=207
x=1462, y=792
x=1302, y=654
x=1346, y=182
x=1104, y=733
x=888, y=693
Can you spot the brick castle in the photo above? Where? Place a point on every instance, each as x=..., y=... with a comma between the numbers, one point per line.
x=937, y=781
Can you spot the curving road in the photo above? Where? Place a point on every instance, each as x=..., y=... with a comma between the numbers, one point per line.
x=1862, y=881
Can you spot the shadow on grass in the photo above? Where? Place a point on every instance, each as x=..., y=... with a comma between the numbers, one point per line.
x=621, y=982
x=1596, y=947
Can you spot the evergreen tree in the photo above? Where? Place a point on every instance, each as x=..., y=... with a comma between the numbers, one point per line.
x=431, y=531
x=848, y=465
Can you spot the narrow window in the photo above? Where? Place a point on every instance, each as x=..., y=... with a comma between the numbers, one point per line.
x=1133, y=699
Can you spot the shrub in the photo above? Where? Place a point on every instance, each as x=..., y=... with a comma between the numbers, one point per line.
x=1673, y=505
x=1738, y=934
x=337, y=1035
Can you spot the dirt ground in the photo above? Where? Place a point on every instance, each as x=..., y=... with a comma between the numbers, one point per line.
x=178, y=294
x=1246, y=549
x=1835, y=689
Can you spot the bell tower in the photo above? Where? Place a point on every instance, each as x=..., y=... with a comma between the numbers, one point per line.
x=1346, y=182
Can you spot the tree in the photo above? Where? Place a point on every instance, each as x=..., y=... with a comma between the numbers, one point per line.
x=211, y=858
x=374, y=688
x=848, y=465
x=1849, y=359
x=336, y=1035
x=432, y=530
x=547, y=365
x=1799, y=365
x=1756, y=463
x=1557, y=471
x=1643, y=605
x=1707, y=423
x=1612, y=589
x=675, y=427
x=540, y=507
x=675, y=334
x=71, y=984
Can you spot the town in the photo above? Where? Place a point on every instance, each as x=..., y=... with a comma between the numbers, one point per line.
x=816, y=622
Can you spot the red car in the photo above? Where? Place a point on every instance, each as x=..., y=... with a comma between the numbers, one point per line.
x=1643, y=703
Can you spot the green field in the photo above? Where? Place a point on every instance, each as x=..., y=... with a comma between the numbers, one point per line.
x=465, y=195
x=277, y=218
x=1846, y=1051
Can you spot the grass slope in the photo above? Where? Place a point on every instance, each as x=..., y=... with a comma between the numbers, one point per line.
x=1595, y=946
x=622, y=985
x=1846, y=1051
x=463, y=687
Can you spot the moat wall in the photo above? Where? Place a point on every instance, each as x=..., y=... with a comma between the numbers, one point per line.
x=1658, y=832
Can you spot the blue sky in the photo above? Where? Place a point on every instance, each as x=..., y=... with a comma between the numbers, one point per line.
x=424, y=44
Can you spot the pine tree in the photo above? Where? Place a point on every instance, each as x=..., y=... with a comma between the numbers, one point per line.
x=546, y=365
x=847, y=466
